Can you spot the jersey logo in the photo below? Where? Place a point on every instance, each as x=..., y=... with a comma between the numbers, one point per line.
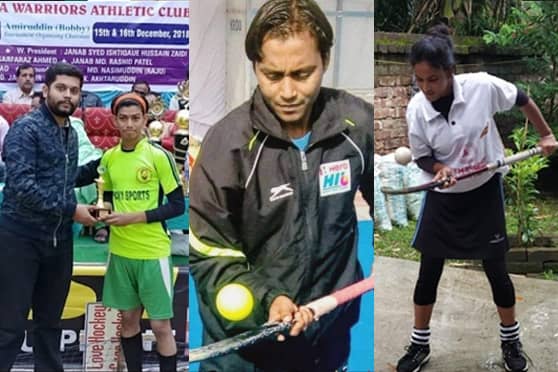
x=144, y=175
x=335, y=177
x=280, y=192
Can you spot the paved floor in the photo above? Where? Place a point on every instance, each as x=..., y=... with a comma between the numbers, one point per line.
x=465, y=324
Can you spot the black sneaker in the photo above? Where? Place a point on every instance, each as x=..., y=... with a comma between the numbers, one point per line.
x=414, y=359
x=514, y=357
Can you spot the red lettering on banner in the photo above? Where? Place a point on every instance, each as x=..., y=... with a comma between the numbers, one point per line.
x=3, y=8
x=98, y=347
x=19, y=7
x=45, y=8
x=120, y=11
x=174, y=12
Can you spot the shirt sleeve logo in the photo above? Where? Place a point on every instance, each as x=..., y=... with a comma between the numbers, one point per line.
x=144, y=175
x=335, y=177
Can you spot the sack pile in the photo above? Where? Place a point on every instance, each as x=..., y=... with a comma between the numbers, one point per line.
x=395, y=210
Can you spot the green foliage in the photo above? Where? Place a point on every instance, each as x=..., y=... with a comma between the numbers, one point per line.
x=467, y=17
x=550, y=275
x=533, y=27
x=393, y=15
x=474, y=17
x=520, y=184
x=396, y=243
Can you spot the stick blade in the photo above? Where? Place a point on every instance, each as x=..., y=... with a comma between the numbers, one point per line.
x=237, y=342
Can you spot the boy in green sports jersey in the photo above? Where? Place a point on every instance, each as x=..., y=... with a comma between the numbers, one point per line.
x=137, y=175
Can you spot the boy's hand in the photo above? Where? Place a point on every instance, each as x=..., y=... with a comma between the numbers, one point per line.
x=123, y=219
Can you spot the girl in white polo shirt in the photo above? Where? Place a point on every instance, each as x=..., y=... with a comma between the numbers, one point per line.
x=452, y=130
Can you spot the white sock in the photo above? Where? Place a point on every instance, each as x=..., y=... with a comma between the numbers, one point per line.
x=420, y=336
x=509, y=333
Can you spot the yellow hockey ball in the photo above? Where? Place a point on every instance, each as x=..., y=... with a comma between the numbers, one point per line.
x=235, y=302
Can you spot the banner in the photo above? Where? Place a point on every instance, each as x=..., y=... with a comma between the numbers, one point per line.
x=79, y=328
x=102, y=338
x=115, y=43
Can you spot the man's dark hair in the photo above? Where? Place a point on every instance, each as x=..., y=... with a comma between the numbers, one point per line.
x=62, y=68
x=24, y=66
x=283, y=18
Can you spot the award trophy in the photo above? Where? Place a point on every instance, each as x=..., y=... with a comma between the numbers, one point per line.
x=155, y=127
x=181, y=142
x=155, y=130
x=100, y=209
x=183, y=94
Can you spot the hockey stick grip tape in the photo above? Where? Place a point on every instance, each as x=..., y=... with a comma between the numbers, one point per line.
x=326, y=304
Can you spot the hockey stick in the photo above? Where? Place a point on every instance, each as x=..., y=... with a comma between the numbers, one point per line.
x=487, y=167
x=319, y=307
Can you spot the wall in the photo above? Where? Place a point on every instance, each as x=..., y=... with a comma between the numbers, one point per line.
x=392, y=80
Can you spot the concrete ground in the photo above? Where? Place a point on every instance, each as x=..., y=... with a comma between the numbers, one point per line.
x=464, y=324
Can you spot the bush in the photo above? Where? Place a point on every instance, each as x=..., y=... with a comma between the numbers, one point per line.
x=520, y=184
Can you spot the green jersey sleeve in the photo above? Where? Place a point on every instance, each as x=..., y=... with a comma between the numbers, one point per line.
x=166, y=170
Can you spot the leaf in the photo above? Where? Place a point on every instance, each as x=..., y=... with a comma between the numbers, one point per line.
x=447, y=10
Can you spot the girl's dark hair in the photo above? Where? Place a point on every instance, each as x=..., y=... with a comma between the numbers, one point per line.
x=283, y=18
x=436, y=48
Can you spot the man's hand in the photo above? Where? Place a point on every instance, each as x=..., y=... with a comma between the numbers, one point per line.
x=83, y=215
x=284, y=310
x=123, y=219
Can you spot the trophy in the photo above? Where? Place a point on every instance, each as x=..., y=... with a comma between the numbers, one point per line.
x=181, y=142
x=182, y=122
x=155, y=127
x=100, y=209
x=183, y=94
x=155, y=130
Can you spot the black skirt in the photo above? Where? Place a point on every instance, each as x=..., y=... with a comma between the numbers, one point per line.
x=468, y=225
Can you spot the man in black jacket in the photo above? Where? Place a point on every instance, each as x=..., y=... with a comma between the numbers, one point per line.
x=272, y=197
x=39, y=207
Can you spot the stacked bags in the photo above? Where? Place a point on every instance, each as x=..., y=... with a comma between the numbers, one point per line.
x=392, y=210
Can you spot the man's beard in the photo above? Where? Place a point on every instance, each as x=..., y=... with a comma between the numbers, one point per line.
x=62, y=113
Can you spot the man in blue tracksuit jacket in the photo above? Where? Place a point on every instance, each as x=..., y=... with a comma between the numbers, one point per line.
x=39, y=207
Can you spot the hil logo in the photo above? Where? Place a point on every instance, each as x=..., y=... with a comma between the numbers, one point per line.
x=335, y=177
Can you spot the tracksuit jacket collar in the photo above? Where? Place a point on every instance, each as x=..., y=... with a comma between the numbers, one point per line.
x=326, y=120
